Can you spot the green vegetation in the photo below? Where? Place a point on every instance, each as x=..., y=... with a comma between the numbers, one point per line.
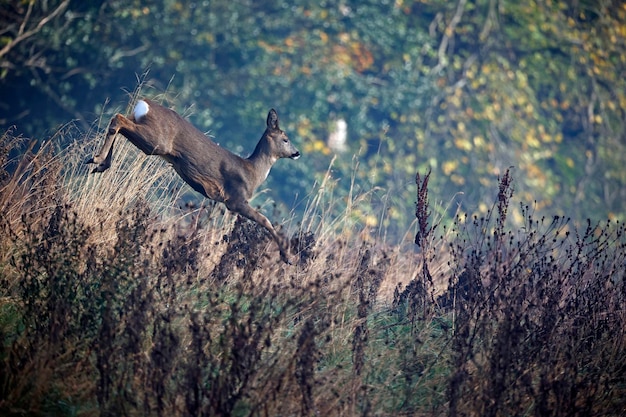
x=467, y=88
x=115, y=304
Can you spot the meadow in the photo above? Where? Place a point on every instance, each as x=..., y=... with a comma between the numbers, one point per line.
x=117, y=298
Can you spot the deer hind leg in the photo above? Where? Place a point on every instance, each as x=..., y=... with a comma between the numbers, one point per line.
x=247, y=211
x=138, y=134
x=103, y=158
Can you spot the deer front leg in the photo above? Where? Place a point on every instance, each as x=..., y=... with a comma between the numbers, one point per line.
x=247, y=211
x=103, y=158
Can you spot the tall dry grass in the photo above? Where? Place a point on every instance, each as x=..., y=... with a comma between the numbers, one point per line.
x=120, y=297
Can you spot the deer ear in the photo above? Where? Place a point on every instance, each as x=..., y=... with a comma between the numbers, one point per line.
x=272, y=120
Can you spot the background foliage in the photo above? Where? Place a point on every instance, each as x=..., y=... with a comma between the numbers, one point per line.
x=467, y=88
x=115, y=300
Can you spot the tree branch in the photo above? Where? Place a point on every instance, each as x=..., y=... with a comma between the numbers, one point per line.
x=449, y=34
x=24, y=34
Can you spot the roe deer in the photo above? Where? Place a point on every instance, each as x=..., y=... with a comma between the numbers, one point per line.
x=208, y=168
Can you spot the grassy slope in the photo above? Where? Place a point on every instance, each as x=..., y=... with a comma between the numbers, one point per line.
x=116, y=301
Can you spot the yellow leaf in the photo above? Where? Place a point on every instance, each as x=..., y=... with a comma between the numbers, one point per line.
x=457, y=179
x=611, y=104
x=479, y=141
x=371, y=220
x=489, y=113
x=463, y=144
x=449, y=166
x=319, y=145
x=531, y=140
x=529, y=108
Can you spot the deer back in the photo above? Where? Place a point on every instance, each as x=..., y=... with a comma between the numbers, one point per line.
x=208, y=168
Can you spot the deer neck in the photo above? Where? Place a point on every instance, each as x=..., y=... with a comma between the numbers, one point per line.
x=262, y=162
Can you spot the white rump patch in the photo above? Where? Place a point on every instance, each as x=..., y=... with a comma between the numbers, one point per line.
x=141, y=109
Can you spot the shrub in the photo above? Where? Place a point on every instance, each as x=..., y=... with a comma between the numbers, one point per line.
x=140, y=310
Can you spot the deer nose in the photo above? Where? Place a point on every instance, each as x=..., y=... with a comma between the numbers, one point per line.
x=295, y=155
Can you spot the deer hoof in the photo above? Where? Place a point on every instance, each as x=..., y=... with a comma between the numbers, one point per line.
x=101, y=167
x=285, y=258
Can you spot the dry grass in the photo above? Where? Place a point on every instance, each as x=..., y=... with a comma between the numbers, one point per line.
x=119, y=298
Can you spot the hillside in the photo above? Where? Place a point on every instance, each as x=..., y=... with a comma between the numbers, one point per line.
x=118, y=299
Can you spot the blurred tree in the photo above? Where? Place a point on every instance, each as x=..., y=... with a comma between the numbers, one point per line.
x=23, y=48
x=538, y=86
x=468, y=88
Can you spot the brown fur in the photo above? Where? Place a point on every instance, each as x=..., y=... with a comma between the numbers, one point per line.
x=208, y=168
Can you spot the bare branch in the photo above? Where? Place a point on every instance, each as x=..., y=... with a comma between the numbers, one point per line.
x=132, y=52
x=490, y=21
x=26, y=18
x=24, y=34
x=449, y=34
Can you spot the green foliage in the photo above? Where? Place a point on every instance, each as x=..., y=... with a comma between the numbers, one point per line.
x=467, y=88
